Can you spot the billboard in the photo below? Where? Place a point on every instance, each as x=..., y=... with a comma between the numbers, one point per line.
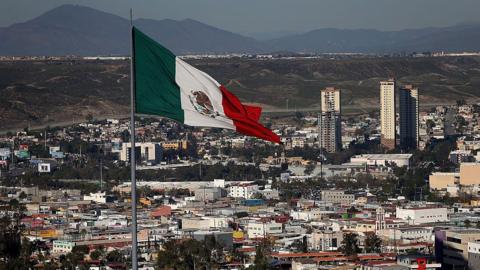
x=22, y=154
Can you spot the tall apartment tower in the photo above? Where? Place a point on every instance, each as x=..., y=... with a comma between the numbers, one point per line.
x=330, y=120
x=387, y=113
x=408, y=96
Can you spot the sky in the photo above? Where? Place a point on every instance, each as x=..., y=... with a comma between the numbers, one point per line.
x=270, y=16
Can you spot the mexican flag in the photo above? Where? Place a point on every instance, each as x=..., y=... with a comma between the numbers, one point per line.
x=166, y=85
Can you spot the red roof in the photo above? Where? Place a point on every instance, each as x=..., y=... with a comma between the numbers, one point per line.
x=370, y=257
x=246, y=249
x=162, y=211
x=331, y=259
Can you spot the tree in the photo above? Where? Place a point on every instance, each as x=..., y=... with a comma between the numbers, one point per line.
x=430, y=124
x=261, y=260
x=89, y=117
x=98, y=253
x=83, y=232
x=15, y=252
x=349, y=245
x=373, y=243
x=190, y=254
x=467, y=223
x=300, y=245
x=22, y=195
x=352, y=210
x=258, y=195
x=73, y=259
x=309, y=169
x=115, y=256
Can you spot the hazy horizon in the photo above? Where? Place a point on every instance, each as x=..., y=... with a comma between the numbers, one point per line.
x=272, y=17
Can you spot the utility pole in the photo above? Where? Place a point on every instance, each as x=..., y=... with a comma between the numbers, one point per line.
x=101, y=175
x=132, y=144
x=13, y=153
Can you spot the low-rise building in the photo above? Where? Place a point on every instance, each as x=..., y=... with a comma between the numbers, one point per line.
x=407, y=234
x=62, y=247
x=422, y=215
x=386, y=160
x=452, y=247
x=474, y=255
x=245, y=191
x=208, y=194
x=257, y=229
x=327, y=240
x=337, y=196
x=439, y=181
x=470, y=173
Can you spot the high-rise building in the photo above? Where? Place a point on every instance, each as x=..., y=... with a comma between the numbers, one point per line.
x=408, y=96
x=330, y=120
x=387, y=113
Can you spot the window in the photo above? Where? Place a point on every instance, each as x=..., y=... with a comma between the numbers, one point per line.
x=454, y=240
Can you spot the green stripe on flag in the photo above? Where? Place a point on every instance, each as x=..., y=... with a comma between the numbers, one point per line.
x=156, y=91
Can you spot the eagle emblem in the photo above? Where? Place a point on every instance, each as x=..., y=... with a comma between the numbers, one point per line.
x=202, y=103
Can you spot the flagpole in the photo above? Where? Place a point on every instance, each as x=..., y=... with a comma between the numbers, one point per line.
x=132, y=150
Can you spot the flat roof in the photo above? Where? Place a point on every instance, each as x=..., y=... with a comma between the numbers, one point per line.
x=384, y=156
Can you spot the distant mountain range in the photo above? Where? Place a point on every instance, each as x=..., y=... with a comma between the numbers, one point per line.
x=78, y=30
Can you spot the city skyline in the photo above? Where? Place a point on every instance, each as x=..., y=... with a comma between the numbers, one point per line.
x=179, y=145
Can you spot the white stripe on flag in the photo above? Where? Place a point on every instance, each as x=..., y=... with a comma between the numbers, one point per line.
x=191, y=80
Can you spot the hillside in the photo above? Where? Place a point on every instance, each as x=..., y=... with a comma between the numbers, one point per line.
x=34, y=92
x=78, y=30
x=454, y=38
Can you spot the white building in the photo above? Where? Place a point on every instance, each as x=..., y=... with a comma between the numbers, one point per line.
x=99, y=197
x=242, y=191
x=62, y=247
x=411, y=234
x=399, y=160
x=220, y=183
x=307, y=215
x=257, y=229
x=422, y=215
x=387, y=113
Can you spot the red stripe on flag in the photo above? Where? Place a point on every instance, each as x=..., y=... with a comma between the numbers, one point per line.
x=245, y=118
x=253, y=112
